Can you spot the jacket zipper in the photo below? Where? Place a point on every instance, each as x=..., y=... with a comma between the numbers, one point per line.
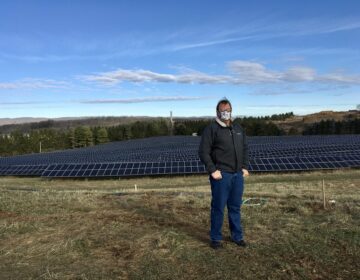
x=233, y=141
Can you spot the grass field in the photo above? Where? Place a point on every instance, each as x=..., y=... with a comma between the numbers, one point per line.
x=104, y=229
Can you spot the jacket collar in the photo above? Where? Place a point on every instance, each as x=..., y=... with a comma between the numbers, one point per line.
x=221, y=123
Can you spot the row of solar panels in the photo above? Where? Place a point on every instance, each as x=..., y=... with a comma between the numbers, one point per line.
x=126, y=169
x=185, y=149
x=178, y=155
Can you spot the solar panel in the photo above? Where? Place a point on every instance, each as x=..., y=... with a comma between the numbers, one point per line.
x=22, y=170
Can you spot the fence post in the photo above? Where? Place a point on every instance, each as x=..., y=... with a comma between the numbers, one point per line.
x=323, y=190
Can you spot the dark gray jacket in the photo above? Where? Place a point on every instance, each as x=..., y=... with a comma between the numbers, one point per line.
x=224, y=148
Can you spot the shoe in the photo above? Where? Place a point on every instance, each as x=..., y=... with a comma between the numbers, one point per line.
x=216, y=245
x=240, y=243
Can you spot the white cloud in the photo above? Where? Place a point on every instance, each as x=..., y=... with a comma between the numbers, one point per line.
x=109, y=101
x=240, y=73
x=340, y=78
x=22, y=103
x=299, y=74
x=264, y=30
x=247, y=72
x=210, y=43
x=141, y=76
x=33, y=84
x=143, y=99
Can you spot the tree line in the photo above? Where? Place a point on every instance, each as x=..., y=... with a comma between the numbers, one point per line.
x=47, y=139
x=333, y=127
x=50, y=139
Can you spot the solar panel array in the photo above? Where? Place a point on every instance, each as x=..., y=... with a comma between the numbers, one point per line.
x=287, y=153
x=179, y=155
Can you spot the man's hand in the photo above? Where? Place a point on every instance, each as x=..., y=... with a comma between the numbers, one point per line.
x=216, y=175
x=245, y=172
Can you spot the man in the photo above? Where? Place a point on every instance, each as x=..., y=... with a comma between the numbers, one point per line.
x=224, y=151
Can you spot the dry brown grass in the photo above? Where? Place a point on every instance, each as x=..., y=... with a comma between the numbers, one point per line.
x=103, y=229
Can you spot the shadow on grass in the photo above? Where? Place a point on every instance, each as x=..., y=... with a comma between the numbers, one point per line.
x=166, y=219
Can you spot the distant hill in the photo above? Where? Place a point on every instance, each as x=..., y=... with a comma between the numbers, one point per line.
x=10, y=121
x=300, y=122
x=26, y=124
x=7, y=121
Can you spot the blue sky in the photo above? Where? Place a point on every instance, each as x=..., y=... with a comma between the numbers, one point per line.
x=147, y=58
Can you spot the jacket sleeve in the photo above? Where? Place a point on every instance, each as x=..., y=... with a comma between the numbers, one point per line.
x=245, y=164
x=205, y=149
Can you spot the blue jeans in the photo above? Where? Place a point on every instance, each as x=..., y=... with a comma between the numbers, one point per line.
x=226, y=191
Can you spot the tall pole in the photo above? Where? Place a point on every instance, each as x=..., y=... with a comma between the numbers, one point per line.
x=171, y=124
x=40, y=146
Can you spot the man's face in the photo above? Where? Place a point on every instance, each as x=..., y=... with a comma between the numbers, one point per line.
x=224, y=112
x=225, y=107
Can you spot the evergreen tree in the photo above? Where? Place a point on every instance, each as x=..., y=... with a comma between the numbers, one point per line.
x=102, y=136
x=83, y=136
x=71, y=138
x=127, y=134
x=180, y=129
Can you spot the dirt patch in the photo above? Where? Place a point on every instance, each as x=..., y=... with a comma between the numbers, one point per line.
x=6, y=214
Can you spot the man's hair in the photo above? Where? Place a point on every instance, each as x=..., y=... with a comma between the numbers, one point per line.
x=223, y=101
